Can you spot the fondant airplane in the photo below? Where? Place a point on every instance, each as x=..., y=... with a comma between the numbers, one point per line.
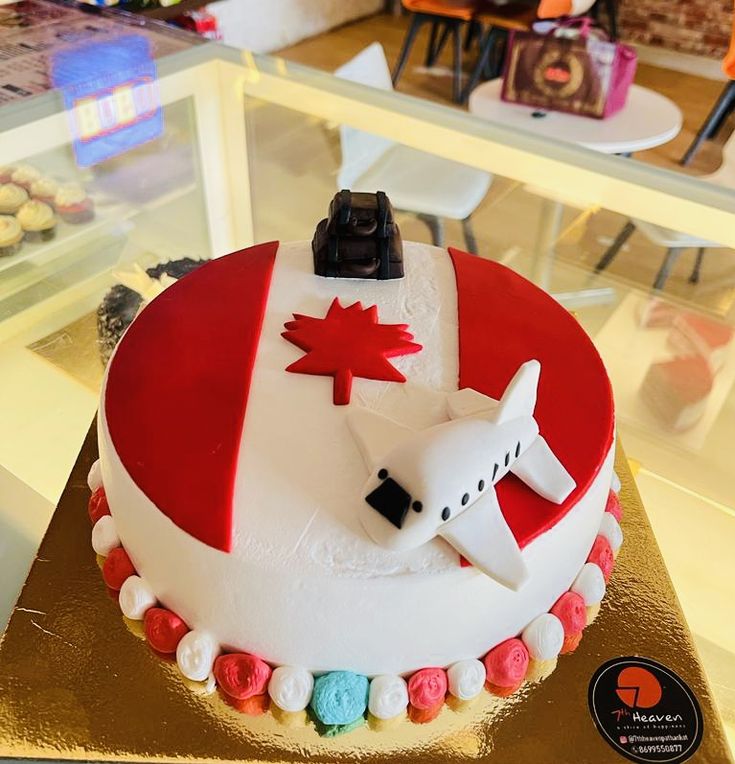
x=440, y=481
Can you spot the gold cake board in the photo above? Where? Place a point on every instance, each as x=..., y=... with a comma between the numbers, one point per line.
x=76, y=684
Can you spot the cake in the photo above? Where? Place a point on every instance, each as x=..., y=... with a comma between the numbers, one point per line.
x=122, y=302
x=677, y=390
x=356, y=496
x=693, y=334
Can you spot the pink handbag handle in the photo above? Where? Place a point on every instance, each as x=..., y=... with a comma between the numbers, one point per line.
x=584, y=23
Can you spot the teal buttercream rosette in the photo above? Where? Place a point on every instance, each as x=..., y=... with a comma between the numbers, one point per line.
x=339, y=697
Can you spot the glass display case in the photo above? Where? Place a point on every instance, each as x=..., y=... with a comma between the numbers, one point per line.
x=253, y=148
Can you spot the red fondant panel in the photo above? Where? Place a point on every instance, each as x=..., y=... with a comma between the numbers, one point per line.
x=177, y=390
x=503, y=321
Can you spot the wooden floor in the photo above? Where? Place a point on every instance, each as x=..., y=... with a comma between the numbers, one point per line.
x=497, y=218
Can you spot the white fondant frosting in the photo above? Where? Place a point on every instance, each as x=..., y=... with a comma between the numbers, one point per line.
x=299, y=552
x=388, y=696
x=590, y=584
x=135, y=598
x=466, y=678
x=104, y=536
x=611, y=530
x=544, y=637
x=94, y=478
x=195, y=655
x=290, y=688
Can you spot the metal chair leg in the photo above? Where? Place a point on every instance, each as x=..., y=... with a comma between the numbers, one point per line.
x=625, y=233
x=720, y=111
x=469, y=235
x=486, y=49
x=612, y=18
x=440, y=43
x=429, y=61
x=474, y=29
x=435, y=226
x=408, y=42
x=457, y=80
x=696, y=273
x=672, y=255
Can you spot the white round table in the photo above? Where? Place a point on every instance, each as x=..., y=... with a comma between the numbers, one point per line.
x=647, y=120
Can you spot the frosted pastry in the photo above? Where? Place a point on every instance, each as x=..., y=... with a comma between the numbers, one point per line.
x=11, y=236
x=44, y=189
x=12, y=197
x=37, y=220
x=24, y=175
x=73, y=204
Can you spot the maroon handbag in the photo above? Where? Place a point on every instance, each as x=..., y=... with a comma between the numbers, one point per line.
x=581, y=74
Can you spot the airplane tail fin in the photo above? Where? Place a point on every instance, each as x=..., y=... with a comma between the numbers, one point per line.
x=519, y=398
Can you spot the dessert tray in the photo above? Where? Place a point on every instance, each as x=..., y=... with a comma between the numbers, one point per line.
x=77, y=681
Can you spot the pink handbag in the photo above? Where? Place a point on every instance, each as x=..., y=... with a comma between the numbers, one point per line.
x=571, y=68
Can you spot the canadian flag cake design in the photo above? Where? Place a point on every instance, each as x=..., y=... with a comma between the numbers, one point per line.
x=183, y=372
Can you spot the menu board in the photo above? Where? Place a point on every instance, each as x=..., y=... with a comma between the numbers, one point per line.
x=32, y=32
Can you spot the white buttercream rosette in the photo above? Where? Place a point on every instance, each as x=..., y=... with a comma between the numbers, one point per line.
x=466, y=679
x=290, y=688
x=388, y=696
x=611, y=530
x=196, y=654
x=135, y=598
x=94, y=478
x=590, y=584
x=544, y=637
x=104, y=536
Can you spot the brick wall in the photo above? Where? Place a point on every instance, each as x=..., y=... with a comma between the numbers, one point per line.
x=691, y=26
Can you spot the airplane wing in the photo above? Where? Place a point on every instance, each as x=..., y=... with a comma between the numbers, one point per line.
x=481, y=534
x=540, y=470
x=468, y=402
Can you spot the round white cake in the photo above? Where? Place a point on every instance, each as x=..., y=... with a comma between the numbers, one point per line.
x=283, y=565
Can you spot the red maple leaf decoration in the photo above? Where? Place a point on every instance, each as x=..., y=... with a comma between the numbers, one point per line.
x=347, y=343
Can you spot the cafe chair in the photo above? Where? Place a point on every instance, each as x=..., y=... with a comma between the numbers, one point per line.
x=447, y=18
x=676, y=242
x=427, y=186
x=722, y=109
x=496, y=20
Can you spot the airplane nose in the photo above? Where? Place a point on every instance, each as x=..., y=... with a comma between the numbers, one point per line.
x=391, y=501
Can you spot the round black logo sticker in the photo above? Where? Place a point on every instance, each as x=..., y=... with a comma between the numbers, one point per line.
x=645, y=711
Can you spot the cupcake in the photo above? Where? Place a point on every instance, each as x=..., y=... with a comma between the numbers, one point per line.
x=6, y=171
x=44, y=189
x=12, y=198
x=11, y=236
x=73, y=204
x=37, y=220
x=24, y=175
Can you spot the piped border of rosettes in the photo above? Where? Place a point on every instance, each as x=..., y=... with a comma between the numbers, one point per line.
x=339, y=701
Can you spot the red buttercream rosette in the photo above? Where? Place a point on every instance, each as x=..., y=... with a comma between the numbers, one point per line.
x=602, y=555
x=163, y=629
x=613, y=506
x=427, y=688
x=242, y=676
x=424, y=715
x=98, y=506
x=117, y=568
x=506, y=666
x=572, y=612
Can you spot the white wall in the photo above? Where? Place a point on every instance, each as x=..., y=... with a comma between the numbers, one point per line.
x=267, y=25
